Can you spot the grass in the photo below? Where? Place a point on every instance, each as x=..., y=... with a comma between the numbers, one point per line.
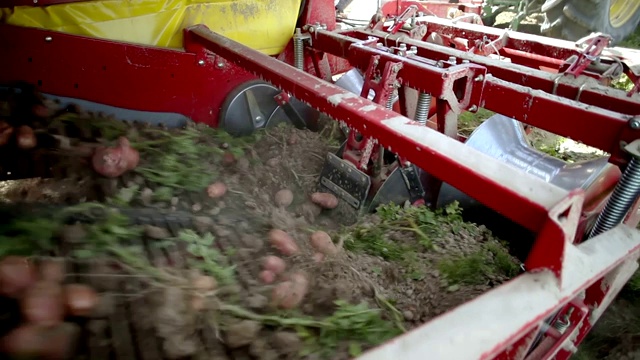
x=426, y=226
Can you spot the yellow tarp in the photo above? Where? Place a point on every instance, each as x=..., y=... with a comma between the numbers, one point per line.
x=265, y=25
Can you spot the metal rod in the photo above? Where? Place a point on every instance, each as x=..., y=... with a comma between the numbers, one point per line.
x=624, y=194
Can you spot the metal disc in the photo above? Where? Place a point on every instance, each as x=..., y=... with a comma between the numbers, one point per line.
x=308, y=114
x=248, y=108
x=393, y=190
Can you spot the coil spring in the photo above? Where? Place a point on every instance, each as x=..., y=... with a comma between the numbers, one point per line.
x=298, y=50
x=392, y=98
x=422, y=108
x=620, y=201
x=561, y=325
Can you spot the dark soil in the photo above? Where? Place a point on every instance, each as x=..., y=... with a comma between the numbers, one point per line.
x=142, y=265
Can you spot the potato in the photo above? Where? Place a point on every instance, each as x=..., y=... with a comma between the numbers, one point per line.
x=283, y=242
x=80, y=300
x=216, y=190
x=318, y=257
x=109, y=162
x=321, y=242
x=325, y=200
x=131, y=156
x=204, y=283
x=16, y=275
x=25, y=341
x=198, y=302
x=267, y=276
x=274, y=264
x=25, y=138
x=6, y=131
x=43, y=303
x=53, y=269
x=289, y=294
x=284, y=198
x=228, y=158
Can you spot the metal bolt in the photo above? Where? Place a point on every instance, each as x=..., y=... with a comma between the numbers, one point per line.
x=479, y=78
x=440, y=63
x=465, y=61
x=220, y=64
x=473, y=108
x=452, y=59
x=48, y=39
x=201, y=62
x=634, y=123
x=414, y=48
x=403, y=46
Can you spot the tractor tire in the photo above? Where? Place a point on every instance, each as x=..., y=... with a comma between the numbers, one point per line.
x=574, y=19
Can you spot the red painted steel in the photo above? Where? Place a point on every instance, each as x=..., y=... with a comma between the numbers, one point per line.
x=507, y=90
x=195, y=82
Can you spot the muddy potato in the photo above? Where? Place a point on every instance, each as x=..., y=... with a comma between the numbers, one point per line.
x=216, y=190
x=284, y=198
x=228, y=158
x=283, y=242
x=131, y=156
x=267, y=276
x=25, y=341
x=289, y=294
x=25, y=138
x=274, y=264
x=16, y=275
x=325, y=200
x=321, y=242
x=204, y=283
x=6, y=131
x=109, y=162
x=80, y=299
x=43, y=303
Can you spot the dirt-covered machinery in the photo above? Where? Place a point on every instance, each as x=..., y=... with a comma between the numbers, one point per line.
x=563, y=19
x=404, y=81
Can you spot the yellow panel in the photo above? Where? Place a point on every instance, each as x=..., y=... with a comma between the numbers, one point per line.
x=264, y=25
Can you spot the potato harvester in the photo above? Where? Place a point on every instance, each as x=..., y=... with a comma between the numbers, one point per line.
x=405, y=77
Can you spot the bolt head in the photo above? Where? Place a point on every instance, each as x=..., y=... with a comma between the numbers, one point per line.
x=201, y=62
x=634, y=123
x=48, y=39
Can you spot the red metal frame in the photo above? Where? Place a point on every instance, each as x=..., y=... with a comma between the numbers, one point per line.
x=194, y=82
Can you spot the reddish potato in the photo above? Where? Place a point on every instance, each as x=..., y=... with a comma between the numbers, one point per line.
x=274, y=264
x=289, y=294
x=131, y=156
x=16, y=275
x=267, y=276
x=228, y=158
x=80, y=300
x=283, y=242
x=321, y=242
x=216, y=190
x=25, y=341
x=43, y=304
x=284, y=198
x=198, y=302
x=325, y=200
x=25, y=137
x=53, y=269
x=109, y=162
x=5, y=132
